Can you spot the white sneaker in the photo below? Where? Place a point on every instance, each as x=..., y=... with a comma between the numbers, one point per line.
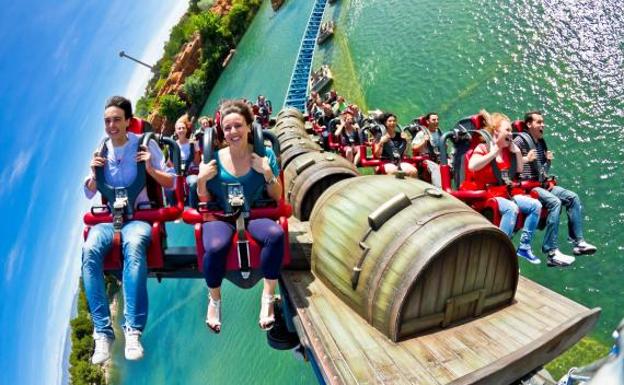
x=102, y=351
x=584, y=248
x=557, y=258
x=134, y=349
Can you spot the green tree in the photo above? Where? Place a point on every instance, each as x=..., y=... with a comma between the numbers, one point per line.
x=195, y=87
x=144, y=106
x=205, y=5
x=236, y=21
x=172, y=107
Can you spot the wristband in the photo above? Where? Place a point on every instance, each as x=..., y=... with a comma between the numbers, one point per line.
x=271, y=181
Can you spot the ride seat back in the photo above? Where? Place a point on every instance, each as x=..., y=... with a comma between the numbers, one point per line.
x=518, y=126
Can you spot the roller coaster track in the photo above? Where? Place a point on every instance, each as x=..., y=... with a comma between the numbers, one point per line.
x=298, y=87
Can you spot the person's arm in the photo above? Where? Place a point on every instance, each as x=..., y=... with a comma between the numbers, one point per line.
x=197, y=153
x=480, y=158
x=155, y=165
x=268, y=167
x=418, y=142
x=377, y=149
x=339, y=130
x=90, y=184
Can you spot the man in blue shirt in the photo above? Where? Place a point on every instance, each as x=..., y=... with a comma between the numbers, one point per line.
x=120, y=169
x=536, y=164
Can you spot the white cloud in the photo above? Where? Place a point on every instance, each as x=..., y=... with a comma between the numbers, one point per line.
x=15, y=254
x=60, y=298
x=153, y=51
x=14, y=171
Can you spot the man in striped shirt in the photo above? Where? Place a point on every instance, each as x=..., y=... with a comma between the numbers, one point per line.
x=537, y=159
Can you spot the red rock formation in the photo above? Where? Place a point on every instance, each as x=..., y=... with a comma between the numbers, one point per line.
x=186, y=62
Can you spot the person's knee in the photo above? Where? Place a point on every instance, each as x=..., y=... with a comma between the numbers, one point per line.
x=216, y=245
x=275, y=234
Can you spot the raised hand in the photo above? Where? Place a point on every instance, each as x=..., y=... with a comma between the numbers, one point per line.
x=207, y=171
x=261, y=164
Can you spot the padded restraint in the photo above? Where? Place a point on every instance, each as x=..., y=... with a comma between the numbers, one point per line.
x=133, y=191
x=539, y=168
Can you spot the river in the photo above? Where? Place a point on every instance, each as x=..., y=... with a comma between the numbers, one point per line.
x=454, y=57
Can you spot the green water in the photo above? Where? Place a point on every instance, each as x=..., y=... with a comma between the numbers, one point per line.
x=564, y=58
x=453, y=57
x=179, y=348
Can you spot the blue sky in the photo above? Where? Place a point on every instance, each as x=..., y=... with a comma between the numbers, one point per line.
x=59, y=64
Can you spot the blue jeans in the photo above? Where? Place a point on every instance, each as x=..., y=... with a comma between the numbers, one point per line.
x=528, y=206
x=135, y=237
x=553, y=200
x=192, y=199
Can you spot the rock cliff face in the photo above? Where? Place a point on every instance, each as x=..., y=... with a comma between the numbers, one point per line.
x=186, y=62
x=221, y=7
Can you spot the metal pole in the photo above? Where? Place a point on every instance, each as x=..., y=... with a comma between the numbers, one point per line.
x=123, y=54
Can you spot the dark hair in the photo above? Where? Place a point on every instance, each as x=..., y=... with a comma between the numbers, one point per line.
x=428, y=116
x=528, y=117
x=387, y=116
x=120, y=102
x=237, y=107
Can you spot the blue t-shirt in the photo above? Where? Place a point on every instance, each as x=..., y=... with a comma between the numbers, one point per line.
x=253, y=182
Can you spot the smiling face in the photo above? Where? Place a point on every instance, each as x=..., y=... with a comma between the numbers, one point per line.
x=235, y=129
x=390, y=123
x=503, y=134
x=536, y=126
x=434, y=122
x=180, y=130
x=116, y=124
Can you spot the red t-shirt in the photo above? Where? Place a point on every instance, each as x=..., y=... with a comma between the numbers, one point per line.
x=477, y=180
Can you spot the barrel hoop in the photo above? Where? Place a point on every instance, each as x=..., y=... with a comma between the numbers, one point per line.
x=304, y=165
x=380, y=216
x=419, y=267
x=309, y=182
x=396, y=244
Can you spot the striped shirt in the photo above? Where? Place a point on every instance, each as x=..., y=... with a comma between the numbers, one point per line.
x=529, y=171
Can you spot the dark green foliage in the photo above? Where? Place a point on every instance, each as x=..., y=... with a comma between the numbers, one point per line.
x=144, y=106
x=172, y=107
x=195, y=86
x=81, y=371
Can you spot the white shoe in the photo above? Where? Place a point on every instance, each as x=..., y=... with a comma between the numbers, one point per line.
x=134, y=349
x=584, y=248
x=557, y=258
x=102, y=351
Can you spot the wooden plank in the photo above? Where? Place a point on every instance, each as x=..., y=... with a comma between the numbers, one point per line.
x=430, y=359
x=460, y=274
x=480, y=250
x=449, y=261
x=431, y=283
x=414, y=299
x=512, y=366
x=329, y=359
x=491, y=349
x=464, y=360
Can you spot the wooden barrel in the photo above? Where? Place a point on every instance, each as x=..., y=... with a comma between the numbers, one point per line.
x=290, y=111
x=281, y=131
x=288, y=122
x=294, y=146
x=408, y=257
x=309, y=175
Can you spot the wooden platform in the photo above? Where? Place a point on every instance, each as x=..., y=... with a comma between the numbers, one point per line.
x=497, y=348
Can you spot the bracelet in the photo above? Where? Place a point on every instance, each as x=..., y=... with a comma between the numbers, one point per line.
x=271, y=181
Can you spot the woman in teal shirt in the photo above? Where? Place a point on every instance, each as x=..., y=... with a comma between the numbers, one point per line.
x=238, y=164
